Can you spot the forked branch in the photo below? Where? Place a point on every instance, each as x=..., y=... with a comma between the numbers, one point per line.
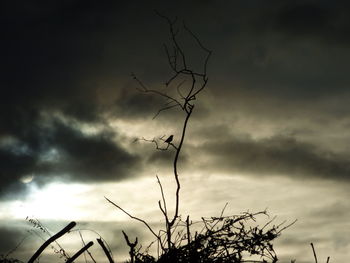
x=183, y=99
x=133, y=217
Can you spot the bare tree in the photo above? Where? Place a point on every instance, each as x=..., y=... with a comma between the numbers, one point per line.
x=184, y=100
x=223, y=238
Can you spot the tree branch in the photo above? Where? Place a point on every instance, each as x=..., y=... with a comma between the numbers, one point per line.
x=133, y=217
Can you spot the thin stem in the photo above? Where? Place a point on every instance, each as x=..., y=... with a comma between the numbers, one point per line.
x=175, y=167
x=313, y=250
x=133, y=217
x=163, y=196
x=87, y=251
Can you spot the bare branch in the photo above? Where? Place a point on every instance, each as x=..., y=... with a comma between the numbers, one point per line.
x=223, y=210
x=313, y=250
x=175, y=167
x=163, y=197
x=198, y=81
x=132, y=246
x=188, y=230
x=133, y=217
x=81, y=251
x=105, y=250
x=178, y=89
x=50, y=240
x=173, y=37
x=87, y=251
x=287, y=226
x=201, y=45
x=165, y=108
x=157, y=145
x=146, y=90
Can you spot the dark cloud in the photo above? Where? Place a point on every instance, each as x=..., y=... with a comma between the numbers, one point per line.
x=54, y=57
x=136, y=104
x=278, y=155
x=62, y=151
x=75, y=58
x=322, y=20
x=304, y=18
x=13, y=167
x=91, y=157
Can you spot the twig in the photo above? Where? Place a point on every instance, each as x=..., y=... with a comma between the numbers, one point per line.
x=133, y=217
x=165, y=212
x=202, y=46
x=188, y=230
x=173, y=37
x=147, y=90
x=157, y=145
x=82, y=240
x=287, y=226
x=313, y=250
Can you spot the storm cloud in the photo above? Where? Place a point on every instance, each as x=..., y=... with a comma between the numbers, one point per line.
x=74, y=60
x=59, y=150
x=276, y=156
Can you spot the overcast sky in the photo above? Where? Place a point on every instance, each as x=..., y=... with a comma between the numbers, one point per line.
x=269, y=131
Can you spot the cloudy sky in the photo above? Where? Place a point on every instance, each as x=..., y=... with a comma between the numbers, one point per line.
x=269, y=131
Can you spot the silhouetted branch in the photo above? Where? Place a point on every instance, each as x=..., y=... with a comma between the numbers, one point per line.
x=188, y=229
x=50, y=240
x=87, y=251
x=157, y=145
x=178, y=63
x=38, y=225
x=105, y=250
x=81, y=251
x=132, y=246
x=174, y=40
x=202, y=46
x=313, y=250
x=287, y=226
x=147, y=90
x=164, y=109
x=133, y=217
x=164, y=211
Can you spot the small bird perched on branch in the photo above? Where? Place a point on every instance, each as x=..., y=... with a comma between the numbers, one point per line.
x=169, y=140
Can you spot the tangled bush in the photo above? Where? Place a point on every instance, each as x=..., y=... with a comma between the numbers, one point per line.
x=221, y=239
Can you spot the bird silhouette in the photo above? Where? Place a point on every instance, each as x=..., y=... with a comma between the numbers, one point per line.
x=169, y=140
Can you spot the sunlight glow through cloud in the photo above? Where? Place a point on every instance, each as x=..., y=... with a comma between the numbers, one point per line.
x=54, y=201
